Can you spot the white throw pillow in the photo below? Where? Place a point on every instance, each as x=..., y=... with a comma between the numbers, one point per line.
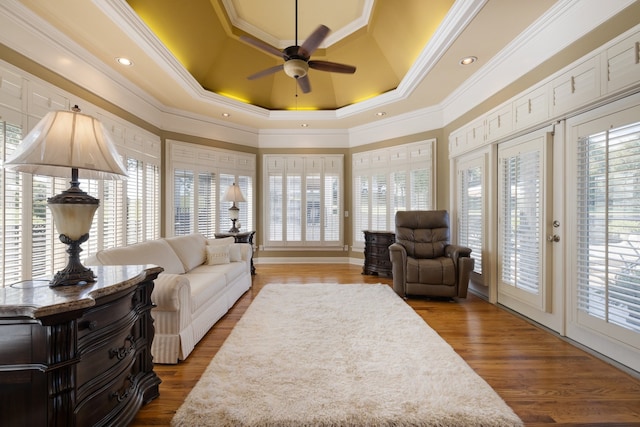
x=218, y=254
x=235, y=252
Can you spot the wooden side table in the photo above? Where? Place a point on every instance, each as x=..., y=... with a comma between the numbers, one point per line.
x=241, y=237
x=376, y=252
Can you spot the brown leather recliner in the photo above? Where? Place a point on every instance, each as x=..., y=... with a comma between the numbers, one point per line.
x=423, y=261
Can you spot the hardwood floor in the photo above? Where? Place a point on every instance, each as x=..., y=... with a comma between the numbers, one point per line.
x=543, y=378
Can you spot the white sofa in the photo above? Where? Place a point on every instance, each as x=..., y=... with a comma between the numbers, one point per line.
x=201, y=281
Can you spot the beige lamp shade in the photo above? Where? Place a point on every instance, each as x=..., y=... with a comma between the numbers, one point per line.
x=68, y=139
x=234, y=194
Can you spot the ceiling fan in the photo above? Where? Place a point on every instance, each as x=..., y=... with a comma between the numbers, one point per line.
x=297, y=58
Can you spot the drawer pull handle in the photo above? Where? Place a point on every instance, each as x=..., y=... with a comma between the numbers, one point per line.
x=123, y=351
x=90, y=325
x=127, y=391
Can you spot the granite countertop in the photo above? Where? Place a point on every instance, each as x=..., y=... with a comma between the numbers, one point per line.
x=36, y=299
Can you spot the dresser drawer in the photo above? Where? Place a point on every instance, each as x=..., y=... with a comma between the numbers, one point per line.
x=108, y=357
x=96, y=319
x=109, y=398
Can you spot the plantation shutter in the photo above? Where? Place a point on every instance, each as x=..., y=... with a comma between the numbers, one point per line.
x=421, y=194
x=360, y=207
x=246, y=214
x=306, y=190
x=379, y=218
x=293, y=230
x=398, y=181
x=332, y=207
x=470, y=212
x=207, y=204
x=183, y=188
x=11, y=232
x=522, y=214
x=312, y=195
x=135, y=191
x=152, y=205
x=608, y=226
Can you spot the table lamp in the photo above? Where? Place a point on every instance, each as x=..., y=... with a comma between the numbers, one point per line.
x=234, y=195
x=63, y=142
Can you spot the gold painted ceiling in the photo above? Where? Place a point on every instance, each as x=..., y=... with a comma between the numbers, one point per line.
x=202, y=36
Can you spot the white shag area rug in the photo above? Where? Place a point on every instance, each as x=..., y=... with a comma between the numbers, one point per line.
x=338, y=355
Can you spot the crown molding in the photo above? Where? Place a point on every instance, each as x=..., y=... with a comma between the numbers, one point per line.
x=547, y=36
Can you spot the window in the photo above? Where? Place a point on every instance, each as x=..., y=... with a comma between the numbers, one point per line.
x=128, y=213
x=608, y=207
x=308, y=190
x=201, y=177
x=390, y=180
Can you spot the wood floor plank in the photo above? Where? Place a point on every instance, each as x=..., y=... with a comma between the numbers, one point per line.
x=546, y=380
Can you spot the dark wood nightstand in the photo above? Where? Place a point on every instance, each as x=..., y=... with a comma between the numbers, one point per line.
x=241, y=237
x=376, y=252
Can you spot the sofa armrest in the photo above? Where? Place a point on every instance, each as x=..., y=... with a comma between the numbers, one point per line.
x=246, y=251
x=398, y=256
x=172, y=292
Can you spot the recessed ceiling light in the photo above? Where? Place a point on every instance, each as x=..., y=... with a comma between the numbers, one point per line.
x=468, y=60
x=305, y=125
x=381, y=113
x=124, y=61
x=226, y=115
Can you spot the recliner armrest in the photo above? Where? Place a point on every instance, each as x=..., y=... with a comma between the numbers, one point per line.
x=398, y=256
x=457, y=251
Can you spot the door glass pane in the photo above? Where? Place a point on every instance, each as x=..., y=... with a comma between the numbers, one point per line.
x=609, y=226
x=521, y=213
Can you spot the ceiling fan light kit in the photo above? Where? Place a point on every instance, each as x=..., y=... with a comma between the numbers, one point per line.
x=296, y=58
x=296, y=68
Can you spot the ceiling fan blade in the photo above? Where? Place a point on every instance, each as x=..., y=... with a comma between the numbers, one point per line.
x=332, y=67
x=313, y=41
x=262, y=46
x=304, y=84
x=266, y=72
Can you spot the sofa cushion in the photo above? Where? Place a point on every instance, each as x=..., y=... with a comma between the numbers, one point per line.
x=218, y=254
x=205, y=288
x=156, y=252
x=190, y=249
x=231, y=271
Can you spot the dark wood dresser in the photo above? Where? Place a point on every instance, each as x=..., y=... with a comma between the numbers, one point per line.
x=376, y=252
x=78, y=355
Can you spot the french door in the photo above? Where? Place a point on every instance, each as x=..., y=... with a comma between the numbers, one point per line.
x=525, y=226
x=604, y=279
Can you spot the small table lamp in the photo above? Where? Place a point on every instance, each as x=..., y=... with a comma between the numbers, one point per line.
x=234, y=195
x=65, y=140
